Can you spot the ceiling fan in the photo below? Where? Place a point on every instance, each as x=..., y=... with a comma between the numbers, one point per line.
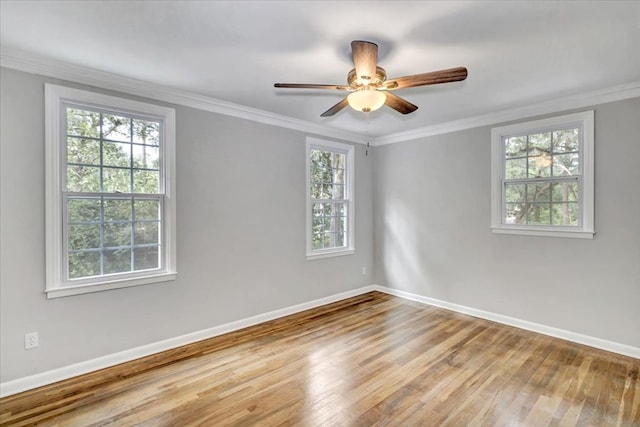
x=369, y=86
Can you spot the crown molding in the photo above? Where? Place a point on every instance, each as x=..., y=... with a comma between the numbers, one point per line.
x=109, y=81
x=616, y=93
x=77, y=74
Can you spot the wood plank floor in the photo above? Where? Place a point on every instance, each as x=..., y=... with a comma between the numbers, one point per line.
x=369, y=360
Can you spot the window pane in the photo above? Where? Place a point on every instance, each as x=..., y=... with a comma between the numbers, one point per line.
x=316, y=240
x=515, y=168
x=540, y=166
x=146, y=233
x=146, y=258
x=515, y=213
x=84, y=264
x=331, y=224
x=321, y=160
x=116, y=180
x=338, y=176
x=116, y=154
x=317, y=223
x=117, y=261
x=84, y=236
x=565, y=192
x=316, y=174
x=116, y=128
x=327, y=191
x=83, y=151
x=117, y=234
x=328, y=209
x=565, y=213
x=539, y=192
x=83, y=123
x=83, y=210
x=147, y=209
x=539, y=143
x=514, y=192
x=317, y=210
x=146, y=132
x=117, y=209
x=83, y=179
x=566, y=164
x=146, y=157
x=515, y=146
x=146, y=182
x=566, y=141
x=539, y=213
x=338, y=192
x=328, y=240
x=316, y=191
x=337, y=166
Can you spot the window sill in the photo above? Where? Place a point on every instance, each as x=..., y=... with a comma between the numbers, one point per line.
x=65, y=291
x=329, y=254
x=544, y=232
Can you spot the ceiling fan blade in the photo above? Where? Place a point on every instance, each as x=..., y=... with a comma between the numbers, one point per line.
x=310, y=86
x=432, y=78
x=333, y=110
x=401, y=105
x=365, y=59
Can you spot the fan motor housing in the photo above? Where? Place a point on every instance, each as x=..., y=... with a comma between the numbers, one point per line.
x=376, y=81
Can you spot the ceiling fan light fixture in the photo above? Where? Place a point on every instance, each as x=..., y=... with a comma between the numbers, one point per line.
x=369, y=86
x=366, y=99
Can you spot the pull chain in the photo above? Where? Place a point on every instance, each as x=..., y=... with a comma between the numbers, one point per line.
x=366, y=151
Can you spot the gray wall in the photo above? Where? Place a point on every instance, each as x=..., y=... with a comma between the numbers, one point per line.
x=432, y=236
x=240, y=230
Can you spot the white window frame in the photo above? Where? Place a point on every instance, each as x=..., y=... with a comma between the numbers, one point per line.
x=57, y=284
x=348, y=151
x=585, y=229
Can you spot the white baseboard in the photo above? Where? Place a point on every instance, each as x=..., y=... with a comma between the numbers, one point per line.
x=27, y=383
x=611, y=346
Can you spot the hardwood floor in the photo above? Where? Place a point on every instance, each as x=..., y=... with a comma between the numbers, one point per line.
x=370, y=360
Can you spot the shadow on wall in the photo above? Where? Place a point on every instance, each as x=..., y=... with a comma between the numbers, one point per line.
x=411, y=261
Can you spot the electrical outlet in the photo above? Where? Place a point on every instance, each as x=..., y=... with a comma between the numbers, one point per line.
x=30, y=340
x=364, y=270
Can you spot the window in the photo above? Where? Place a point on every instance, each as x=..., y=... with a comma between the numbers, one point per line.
x=110, y=192
x=542, y=177
x=329, y=199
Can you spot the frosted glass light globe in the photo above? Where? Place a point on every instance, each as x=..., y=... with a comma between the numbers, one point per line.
x=366, y=99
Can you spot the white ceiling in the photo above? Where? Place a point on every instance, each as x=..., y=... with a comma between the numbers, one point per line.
x=517, y=53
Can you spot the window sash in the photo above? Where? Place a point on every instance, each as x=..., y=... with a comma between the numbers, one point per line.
x=551, y=179
x=102, y=223
x=102, y=140
x=337, y=230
